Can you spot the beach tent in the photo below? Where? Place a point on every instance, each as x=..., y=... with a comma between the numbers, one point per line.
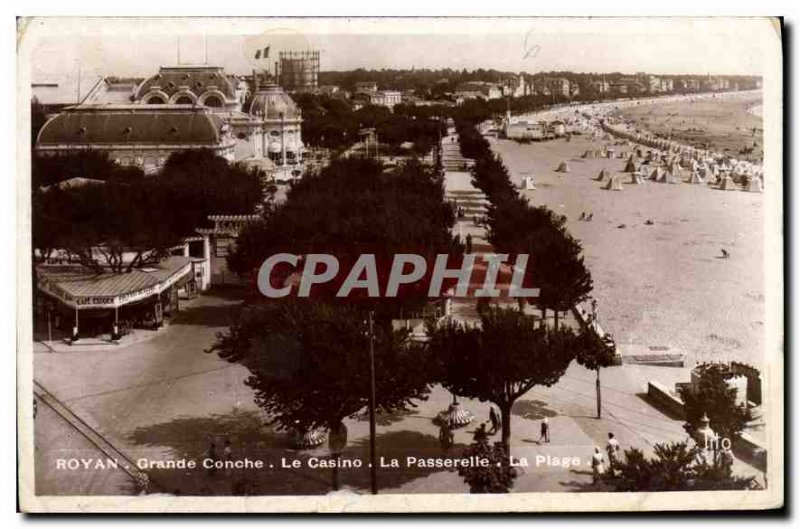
x=602, y=175
x=695, y=178
x=528, y=183
x=669, y=178
x=727, y=184
x=588, y=154
x=636, y=178
x=630, y=167
x=563, y=167
x=610, y=152
x=614, y=184
x=754, y=185
x=656, y=174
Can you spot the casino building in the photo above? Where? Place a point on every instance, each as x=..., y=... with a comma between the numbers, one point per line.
x=180, y=108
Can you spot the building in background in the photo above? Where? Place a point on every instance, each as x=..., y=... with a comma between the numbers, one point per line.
x=600, y=86
x=182, y=108
x=478, y=89
x=135, y=135
x=298, y=70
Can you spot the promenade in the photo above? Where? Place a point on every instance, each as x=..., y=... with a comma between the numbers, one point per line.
x=166, y=399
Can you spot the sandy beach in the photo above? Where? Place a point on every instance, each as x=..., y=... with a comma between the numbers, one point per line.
x=663, y=284
x=725, y=123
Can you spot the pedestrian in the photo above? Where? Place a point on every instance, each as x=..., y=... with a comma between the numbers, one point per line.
x=494, y=420
x=544, y=431
x=469, y=243
x=597, y=466
x=726, y=459
x=445, y=436
x=227, y=453
x=612, y=449
x=480, y=433
x=213, y=458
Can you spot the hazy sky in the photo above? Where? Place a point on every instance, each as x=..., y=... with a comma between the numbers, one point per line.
x=137, y=47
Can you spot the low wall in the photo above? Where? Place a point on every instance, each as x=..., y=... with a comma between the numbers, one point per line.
x=665, y=399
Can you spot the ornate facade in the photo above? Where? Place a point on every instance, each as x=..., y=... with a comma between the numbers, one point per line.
x=180, y=108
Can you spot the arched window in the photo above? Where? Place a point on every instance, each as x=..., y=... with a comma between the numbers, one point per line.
x=213, y=101
x=184, y=100
x=155, y=99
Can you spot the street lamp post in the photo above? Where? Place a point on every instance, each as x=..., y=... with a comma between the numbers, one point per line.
x=372, y=456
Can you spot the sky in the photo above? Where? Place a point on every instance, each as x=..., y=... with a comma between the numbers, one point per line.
x=138, y=46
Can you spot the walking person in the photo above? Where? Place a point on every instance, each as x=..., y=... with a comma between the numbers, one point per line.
x=445, y=436
x=227, y=454
x=612, y=450
x=597, y=466
x=544, y=431
x=494, y=419
x=469, y=243
x=213, y=458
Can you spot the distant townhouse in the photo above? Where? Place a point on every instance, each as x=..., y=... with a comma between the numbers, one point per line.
x=366, y=86
x=385, y=98
x=601, y=86
x=478, y=89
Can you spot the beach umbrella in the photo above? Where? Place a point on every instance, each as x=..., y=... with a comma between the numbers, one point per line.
x=614, y=184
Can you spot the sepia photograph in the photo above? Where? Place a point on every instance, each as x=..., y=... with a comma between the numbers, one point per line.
x=400, y=264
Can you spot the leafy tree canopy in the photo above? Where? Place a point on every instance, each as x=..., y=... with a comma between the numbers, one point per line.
x=309, y=362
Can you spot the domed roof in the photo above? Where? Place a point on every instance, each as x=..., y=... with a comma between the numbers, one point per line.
x=198, y=79
x=271, y=102
x=131, y=125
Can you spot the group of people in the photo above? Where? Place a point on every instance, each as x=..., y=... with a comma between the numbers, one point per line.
x=586, y=216
x=599, y=460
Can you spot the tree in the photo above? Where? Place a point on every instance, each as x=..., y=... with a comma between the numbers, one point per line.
x=91, y=164
x=715, y=399
x=109, y=225
x=200, y=183
x=495, y=478
x=594, y=352
x=676, y=467
x=106, y=227
x=559, y=270
x=309, y=362
x=502, y=359
x=382, y=213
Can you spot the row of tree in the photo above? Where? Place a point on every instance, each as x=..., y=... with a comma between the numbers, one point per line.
x=332, y=123
x=117, y=219
x=556, y=264
x=309, y=358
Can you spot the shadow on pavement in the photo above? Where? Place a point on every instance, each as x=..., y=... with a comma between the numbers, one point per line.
x=399, y=445
x=586, y=486
x=190, y=438
x=532, y=409
x=222, y=315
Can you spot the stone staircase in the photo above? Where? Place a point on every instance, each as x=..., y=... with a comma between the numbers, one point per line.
x=451, y=155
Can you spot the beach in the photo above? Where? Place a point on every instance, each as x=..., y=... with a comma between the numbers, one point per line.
x=725, y=123
x=665, y=284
